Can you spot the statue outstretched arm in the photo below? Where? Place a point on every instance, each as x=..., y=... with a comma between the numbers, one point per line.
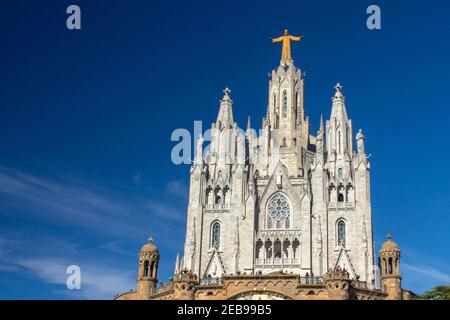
x=294, y=38
x=279, y=39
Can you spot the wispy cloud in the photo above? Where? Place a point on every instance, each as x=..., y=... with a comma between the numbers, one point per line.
x=97, y=281
x=178, y=188
x=78, y=204
x=429, y=272
x=51, y=223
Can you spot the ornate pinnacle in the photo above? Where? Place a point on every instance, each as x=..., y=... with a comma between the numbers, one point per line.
x=338, y=93
x=150, y=239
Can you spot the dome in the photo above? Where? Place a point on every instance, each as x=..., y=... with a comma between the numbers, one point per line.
x=149, y=247
x=389, y=245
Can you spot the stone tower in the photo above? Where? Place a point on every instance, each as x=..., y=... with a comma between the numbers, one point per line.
x=390, y=269
x=148, y=269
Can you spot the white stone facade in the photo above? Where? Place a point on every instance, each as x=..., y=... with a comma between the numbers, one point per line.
x=283, y=199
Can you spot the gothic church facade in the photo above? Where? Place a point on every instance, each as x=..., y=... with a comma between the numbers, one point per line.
x=280, y=210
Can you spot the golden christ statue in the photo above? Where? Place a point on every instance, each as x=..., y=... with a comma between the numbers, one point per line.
x=286, y=39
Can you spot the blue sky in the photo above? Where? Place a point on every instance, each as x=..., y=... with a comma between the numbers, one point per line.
x=86, y=118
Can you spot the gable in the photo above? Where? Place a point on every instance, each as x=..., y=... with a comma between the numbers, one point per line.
x=343, y=262
x=215, y=266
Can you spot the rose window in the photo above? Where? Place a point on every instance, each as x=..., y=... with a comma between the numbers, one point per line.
x=278, y=212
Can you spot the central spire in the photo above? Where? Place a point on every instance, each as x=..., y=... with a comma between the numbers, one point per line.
x=286, y=39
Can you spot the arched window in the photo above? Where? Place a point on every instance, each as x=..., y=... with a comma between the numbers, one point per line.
x=390, y=268
x=274, y=102
x=215, y=234
x=340, y=197
x=285, y=104
x=150, y=270
x=340, y=172
x=347, y=138
x=278, y=212
x=146, y=269
x=341, y=232
x=339, y=142
x=217, y=193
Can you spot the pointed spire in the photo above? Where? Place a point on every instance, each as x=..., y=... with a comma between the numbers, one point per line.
x=249, y=123
x=225, y=116
x=177, y=264
x=338, y=88
x=338, y=110
x=226, y=94
x=321, y=124
x=267, y=119
x=181, y=264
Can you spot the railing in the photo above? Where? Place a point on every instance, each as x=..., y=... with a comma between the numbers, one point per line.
x=305, y=280
x=220, y=206
x=311, y=280
x=349, y=204
x=277, y=261
x=210, y=281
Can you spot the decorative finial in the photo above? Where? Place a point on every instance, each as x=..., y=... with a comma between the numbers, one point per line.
x=321, y=123
x=338, y=87
x=389, y=236
x=227, y=91
x=150, y=239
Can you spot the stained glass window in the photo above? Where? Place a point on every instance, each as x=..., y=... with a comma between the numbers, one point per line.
x=278, y=212
x=215, y=234
x=341, y=233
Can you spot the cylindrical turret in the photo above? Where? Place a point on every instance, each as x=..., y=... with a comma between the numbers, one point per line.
x=390, y=269
x=148, y=270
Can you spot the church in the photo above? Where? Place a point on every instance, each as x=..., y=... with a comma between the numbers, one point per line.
x=281, y=214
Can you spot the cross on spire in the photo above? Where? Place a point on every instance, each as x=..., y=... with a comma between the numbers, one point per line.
x=338, y=87
x=227, y=91
x=150, y=239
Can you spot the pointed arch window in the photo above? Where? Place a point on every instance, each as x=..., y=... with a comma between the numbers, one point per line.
x=347, y=139
x=339, y=142
x=341, y=232
x=215, y=234
x=285, y=104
